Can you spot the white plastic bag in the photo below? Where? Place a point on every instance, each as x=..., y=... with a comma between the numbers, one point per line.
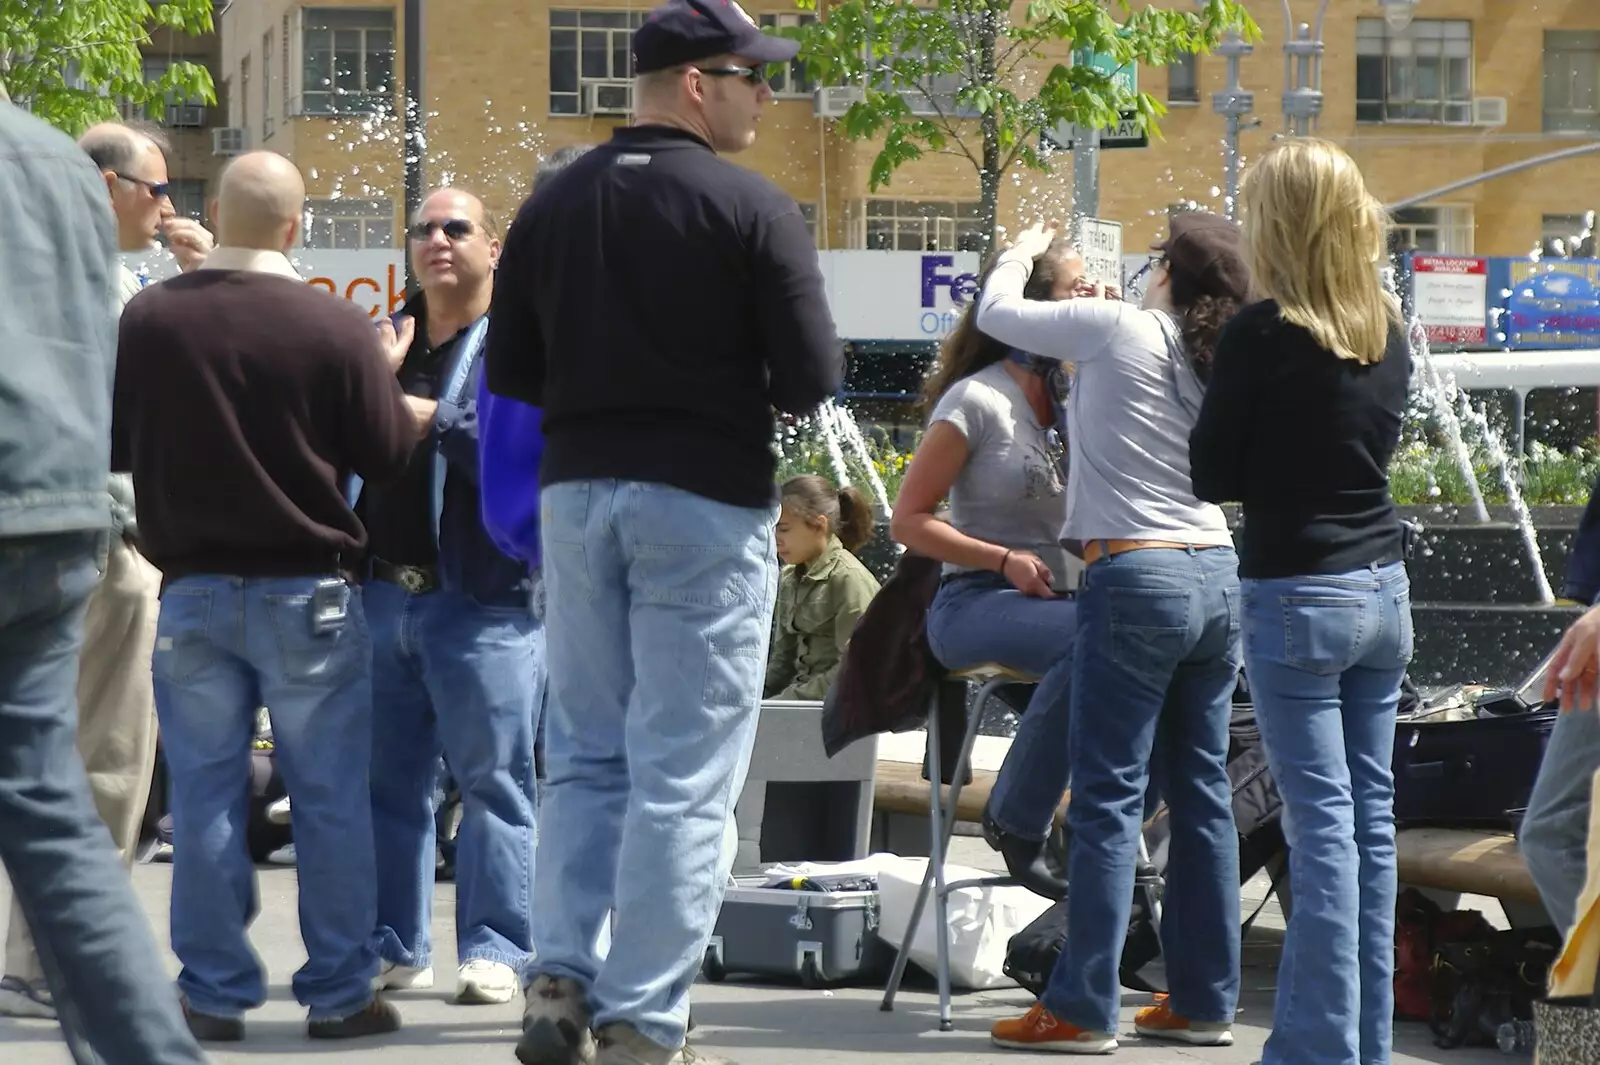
x=982, y=920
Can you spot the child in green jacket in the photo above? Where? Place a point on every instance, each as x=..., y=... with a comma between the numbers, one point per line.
x=824, y=588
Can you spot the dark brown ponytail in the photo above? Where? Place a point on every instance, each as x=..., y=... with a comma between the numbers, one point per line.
x=847, y=510
x=855, y=519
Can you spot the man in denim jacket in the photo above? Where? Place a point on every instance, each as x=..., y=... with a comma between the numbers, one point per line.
x=57, y=354
x=1555, y=830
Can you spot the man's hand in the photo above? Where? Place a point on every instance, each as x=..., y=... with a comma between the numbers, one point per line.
x=190, y=242
x=1576, y=664
x=422, y=412
x=396, y=342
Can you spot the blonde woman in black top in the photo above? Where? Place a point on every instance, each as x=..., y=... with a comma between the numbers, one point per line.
x=1299, y=423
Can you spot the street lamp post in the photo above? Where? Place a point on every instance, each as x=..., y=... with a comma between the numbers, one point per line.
x=1233, y=103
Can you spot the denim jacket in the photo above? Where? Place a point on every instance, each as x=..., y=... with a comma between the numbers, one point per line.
x=57, y=335
x=469, y=561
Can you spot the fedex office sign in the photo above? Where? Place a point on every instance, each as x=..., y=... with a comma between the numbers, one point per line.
x=939, y=273
x=898, y=295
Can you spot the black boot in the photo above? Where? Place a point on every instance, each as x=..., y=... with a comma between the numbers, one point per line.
x=1037, y=865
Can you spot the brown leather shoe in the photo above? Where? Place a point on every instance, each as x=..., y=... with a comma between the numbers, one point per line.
x=375, y=1018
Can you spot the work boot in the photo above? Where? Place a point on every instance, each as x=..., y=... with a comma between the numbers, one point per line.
x=621, y=1044
x=555, y=1024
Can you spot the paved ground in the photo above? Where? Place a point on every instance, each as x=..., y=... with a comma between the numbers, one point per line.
x=744, y=1024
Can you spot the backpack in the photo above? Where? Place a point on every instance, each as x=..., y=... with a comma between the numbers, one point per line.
x=887, y=675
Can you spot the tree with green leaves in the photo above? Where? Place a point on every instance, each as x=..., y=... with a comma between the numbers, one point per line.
x=971, y=78
x=75, y=62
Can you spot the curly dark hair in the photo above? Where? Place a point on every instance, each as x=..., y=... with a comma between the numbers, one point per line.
x=1201, y=318
x=969, y=349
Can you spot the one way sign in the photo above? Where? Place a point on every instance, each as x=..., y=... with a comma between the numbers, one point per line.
x=1125, y=134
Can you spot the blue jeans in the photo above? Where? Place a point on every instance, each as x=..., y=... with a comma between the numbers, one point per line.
x=225, y=646
x=102, y=965
x=451, y=674
x=1325, y=656
x=1157, y=662
x=1554, y=836
x=658, y=614
x=981, y=618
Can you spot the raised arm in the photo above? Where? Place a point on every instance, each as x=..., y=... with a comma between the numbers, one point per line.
x=1075, y=330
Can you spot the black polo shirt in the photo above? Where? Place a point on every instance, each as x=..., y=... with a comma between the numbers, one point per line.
x=657, y=302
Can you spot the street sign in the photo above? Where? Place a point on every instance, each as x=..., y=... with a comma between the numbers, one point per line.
x=1100, y=242
x=1126, y=133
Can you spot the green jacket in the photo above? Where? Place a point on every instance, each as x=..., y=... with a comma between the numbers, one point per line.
x=818, y=606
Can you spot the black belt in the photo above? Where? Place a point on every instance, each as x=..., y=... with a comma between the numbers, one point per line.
x=414, y=579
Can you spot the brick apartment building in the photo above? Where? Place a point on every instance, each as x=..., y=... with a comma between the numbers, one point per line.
x=1471, y=85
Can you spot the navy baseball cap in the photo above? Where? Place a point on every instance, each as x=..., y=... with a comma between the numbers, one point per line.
x=683, y=31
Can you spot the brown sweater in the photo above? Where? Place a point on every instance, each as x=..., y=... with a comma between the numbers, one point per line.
x=244, y=401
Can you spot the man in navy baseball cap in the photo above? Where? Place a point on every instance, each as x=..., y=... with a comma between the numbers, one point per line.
x=687, y=31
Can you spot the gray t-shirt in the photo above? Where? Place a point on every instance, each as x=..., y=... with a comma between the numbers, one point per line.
x=1012, y=491
x=1134, y=402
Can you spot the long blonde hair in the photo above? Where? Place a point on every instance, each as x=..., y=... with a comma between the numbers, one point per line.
x=1315, y=238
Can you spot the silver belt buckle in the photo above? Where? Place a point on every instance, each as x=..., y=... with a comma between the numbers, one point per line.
x=411, y=579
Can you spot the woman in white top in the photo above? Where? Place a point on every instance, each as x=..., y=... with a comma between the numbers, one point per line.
x=1158, y=638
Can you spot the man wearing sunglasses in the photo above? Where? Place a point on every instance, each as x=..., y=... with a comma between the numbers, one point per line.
x=458, y=658
x=656, y=302
x=116, y=721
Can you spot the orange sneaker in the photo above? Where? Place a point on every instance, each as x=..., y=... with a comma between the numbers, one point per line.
x=1039, y=1029
x=1159, y=1022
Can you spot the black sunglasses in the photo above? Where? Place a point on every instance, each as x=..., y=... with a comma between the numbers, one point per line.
x=750, y=74
x=158, y=189
x=454, y=228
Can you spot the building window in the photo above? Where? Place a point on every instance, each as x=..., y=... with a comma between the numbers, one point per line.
x=1567, y=236
x=349, y=224
x=1433, y=229
x=349, y=61
x=586, y=48
x=266, y=84
x=1421, y=74
x=188, y=197
x=170, y=111
x=917, y=225
x=1572, y=81
x=789, y=79
x=1183, y=79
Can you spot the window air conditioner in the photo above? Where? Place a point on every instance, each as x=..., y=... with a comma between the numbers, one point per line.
x=228, y=140
x=610, y=97
x=832, y=101
x=1489, y=111
x=186, y=116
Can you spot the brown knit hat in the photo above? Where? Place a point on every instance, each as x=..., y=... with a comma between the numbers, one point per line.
x=1208, y=250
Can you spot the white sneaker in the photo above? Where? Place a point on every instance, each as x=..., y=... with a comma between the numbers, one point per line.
x=395, y=977
x=278, y=812
x=481, y=982
x=284, y=855
x=19, y=998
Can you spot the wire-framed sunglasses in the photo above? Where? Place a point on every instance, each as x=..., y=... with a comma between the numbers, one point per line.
x=158, y=189
x=454, y=228
x=1136, y=282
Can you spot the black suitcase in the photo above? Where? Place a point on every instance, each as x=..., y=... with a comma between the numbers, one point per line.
x=1475, y=773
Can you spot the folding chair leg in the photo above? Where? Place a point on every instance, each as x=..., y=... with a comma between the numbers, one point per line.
x=1154, y=894
x=935, y=862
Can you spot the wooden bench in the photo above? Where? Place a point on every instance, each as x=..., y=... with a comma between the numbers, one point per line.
x=1468, y=861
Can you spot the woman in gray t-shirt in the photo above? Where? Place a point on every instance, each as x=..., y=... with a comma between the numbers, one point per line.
x=995, y=448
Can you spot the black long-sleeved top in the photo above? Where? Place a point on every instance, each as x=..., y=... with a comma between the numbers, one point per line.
x=1303, y=440
x=657, y=302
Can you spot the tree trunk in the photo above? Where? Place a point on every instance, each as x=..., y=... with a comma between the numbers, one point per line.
x=989, y=174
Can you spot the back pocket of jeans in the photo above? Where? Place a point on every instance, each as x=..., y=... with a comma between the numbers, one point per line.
x=1322, y=634
x=320, y=660
x=183, y=635
x=1149, y=627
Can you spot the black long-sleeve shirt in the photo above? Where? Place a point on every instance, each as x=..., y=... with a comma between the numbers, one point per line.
x=1303, y=440
x=657, y=302
x=243, y=403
